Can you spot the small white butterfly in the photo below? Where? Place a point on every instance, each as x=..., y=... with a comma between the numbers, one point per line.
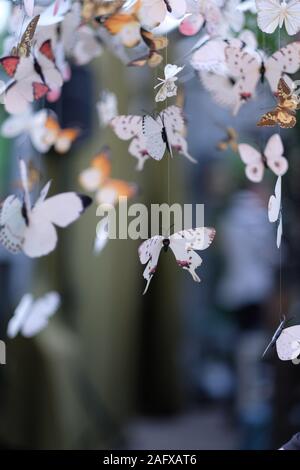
x=167, y=84
x=274, y=210
x=287, y=341
x=32, y=316
x=107, y=107
x=30, y=123
x=272, y=14
x=170, y=121
x=272, y=158
x=31, y=229
x=182, y=244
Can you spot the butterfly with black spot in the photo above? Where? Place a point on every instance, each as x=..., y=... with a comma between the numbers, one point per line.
x=183, y=244
x=31, y=229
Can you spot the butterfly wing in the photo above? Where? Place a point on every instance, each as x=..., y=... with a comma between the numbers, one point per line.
x=26, y=87
x=12, y=224
x=274, y=205
x=138, y=149
x=153, y=133
x=40, y=237
x=102, y=236
x=20, y=314
x=268, y=15
x=149, y=252
x=127, y=127
x=114, y=189
x=292, y=17
x=278, y=116
x=39, y=314
x=288, y=343
x=274, y=155
x=253, y=160
x=184, y=243
x=285, y=61
x=245, y=68
x=152, y=13
x=167, y=90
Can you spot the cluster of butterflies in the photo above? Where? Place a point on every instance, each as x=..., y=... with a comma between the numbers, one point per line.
x=41, y=45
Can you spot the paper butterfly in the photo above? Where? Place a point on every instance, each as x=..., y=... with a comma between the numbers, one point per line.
x=31, y=229
x=182, y=244
x=230, y=141
x=23, y=48
x=154, y=12
x=60, y=139
x=167, y=84
x=284, y=114
x=154, y=44
x=247, y=69
x=272, y=14
x=99, y=9
x=287, y=341
x=97, y=178
x=32, y=78
x=131, y=128
x=107, y=107
x=272, y=158
x=125, y=25
x=274, y=210
x=30, y=123
x=32, y=316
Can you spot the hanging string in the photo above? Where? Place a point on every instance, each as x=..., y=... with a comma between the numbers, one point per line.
x=280, y=217
x=169, y=156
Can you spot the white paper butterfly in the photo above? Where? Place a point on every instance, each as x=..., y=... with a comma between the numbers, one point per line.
x=153, y=12
x=107, y=107
x=32, y=316
x=167, y=84
x=182, y=244
x=272, y=158
x=287, y=341
x=31, y=229
x=272, y=14
x=248, y=68
x=29, y=123
x=274, y=210
x=131, y=127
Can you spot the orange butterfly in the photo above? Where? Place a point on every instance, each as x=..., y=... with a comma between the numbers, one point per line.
x=155, y=44
x=97, y=9
x=61, y=139
x=97, y=179
x=125, y=25
x=230, y=141
x=284, y=114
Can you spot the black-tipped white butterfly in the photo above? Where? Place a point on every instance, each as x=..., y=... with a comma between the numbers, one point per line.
x=32, y=316
x=182, y=244
x=31, y=229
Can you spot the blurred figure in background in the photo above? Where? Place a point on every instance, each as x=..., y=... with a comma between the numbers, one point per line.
x=251, y=258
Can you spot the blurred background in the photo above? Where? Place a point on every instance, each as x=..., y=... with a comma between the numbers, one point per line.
x=181, y=367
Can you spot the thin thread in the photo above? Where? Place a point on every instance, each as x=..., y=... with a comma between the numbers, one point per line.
x=169, y=156
x=280, y=220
